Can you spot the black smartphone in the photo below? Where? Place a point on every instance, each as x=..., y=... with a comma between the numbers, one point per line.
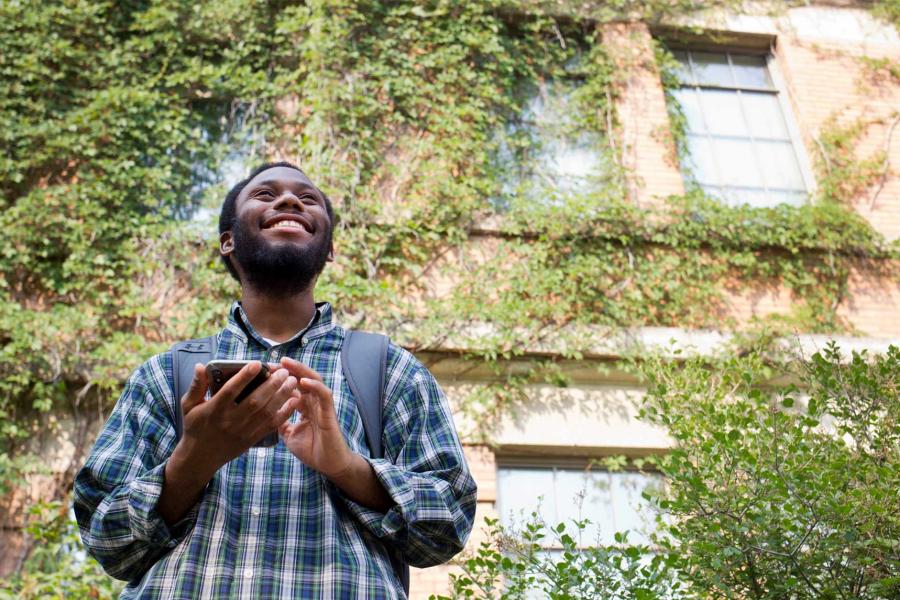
x=220, y=371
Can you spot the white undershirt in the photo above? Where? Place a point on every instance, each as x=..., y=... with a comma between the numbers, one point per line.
x=274, y=343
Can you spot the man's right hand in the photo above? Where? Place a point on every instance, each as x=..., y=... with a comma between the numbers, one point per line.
x=218, y=430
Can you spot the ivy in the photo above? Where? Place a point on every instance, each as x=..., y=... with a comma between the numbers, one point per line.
x=843, y=176
x=120, y=119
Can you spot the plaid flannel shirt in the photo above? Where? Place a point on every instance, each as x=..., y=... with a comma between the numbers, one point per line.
x=268, y=526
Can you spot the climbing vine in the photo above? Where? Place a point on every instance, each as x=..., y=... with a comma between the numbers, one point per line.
x=122, y=118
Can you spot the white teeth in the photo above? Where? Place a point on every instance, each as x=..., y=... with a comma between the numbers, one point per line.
x=291, y=224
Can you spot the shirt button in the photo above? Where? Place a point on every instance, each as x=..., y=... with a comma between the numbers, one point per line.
x=248, y=572
x=256, y=512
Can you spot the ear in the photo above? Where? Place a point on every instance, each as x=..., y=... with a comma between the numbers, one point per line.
x=226, y=243
x=330, y=257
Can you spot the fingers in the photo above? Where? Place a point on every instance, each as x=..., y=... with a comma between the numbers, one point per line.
x=233, y=386
x=317, y=400
x=315, y=386
x=196, y=391
x=299, y=370
x=291, y=404
x=265, y=410
x=261, y=398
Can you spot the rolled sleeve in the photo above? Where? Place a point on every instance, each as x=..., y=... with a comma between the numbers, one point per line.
x=425, y=475
x=142, y=497
x=117, y=491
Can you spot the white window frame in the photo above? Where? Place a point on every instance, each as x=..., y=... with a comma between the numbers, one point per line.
x=550, y=463
x=780, y=90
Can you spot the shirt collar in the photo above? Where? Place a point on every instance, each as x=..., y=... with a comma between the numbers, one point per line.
x=239, y=325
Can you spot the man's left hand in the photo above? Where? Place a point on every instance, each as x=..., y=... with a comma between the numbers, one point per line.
x=316, y=439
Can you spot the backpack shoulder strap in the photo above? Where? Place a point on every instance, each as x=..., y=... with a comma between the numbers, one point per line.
x=364, y=363
x=184, y=356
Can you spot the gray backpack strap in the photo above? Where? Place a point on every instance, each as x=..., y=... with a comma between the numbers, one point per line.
x=364, y=362
x=184, y=356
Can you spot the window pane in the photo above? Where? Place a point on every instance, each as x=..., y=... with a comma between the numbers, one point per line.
x=779, y=164
x=569, y=159
x=722, y=111
x=737, y=163
x=714, y=192
x=632, y=512
x=700, y=162
x=751, y=71
x=520, y=492
x=764, y=115
x=712, y=69
x=753, y=196
x=761, y=198
x=587, y=495
x=610, y=501
x=690, y=106
x=551, y=107
x=547, y=153
x=684, y=71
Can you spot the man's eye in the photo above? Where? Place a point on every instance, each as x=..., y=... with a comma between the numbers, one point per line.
x=308, y=199
x=264, y=194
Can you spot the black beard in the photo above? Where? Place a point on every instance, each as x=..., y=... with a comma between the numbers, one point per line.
x=278, y=270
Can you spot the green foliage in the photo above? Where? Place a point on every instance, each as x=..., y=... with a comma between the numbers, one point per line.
x=781, y=484
x=120, y=120
x=843, y=175
x=125, y=117
x=57, y=567
x=514, y=564
x=781, y=491
x=889, y=10
x=881, y=69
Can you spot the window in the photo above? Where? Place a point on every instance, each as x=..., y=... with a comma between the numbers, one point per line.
x=552, y=150
x=739, y=146
x=560, y=154
x=612, y=501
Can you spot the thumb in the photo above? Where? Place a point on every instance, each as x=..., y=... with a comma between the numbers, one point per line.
x=196, y=391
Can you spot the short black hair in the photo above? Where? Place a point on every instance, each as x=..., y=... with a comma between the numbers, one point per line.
x=228, y=212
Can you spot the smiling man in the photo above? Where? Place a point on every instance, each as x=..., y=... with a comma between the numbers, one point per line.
x=314, y=516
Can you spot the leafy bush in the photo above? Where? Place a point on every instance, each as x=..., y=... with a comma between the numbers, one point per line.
x=515, y=565
x=781, y=484
x=783, y=479
x=57, y=566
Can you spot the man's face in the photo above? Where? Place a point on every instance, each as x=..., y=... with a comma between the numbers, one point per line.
x=281, y=237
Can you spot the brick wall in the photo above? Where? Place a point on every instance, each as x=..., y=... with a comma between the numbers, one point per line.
x=825, y=82
x=648, y=151
x=823, y=77
x=435, y=580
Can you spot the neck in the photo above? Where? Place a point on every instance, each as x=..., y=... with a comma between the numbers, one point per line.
x=278, y=318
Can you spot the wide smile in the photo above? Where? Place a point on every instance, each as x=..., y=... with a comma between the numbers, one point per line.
x=290, y=223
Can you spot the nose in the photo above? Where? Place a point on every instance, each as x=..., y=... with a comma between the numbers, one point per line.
x=288, y=199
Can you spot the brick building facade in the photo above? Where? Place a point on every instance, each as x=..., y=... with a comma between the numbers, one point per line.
x=821, y=60
x=827, y=63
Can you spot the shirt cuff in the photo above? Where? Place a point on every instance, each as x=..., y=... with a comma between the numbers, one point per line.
x=393, y=523
x=146, y=523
